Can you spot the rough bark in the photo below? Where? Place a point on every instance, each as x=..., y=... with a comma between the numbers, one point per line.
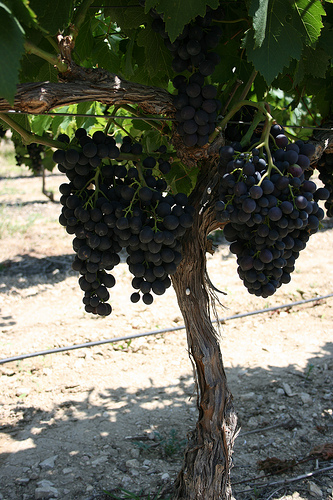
x=205, y=474
x=42, y=97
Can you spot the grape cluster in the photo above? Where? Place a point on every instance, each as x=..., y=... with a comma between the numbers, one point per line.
x=270, y=210
x=30, y=155
x=110, y=204
x=192, y=51
x=325, y=167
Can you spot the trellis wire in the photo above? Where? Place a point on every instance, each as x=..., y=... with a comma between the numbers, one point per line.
x=156, y=332
x=149, y=118
x=82, y=115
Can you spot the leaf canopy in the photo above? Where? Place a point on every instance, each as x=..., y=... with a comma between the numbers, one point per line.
x=267, y=47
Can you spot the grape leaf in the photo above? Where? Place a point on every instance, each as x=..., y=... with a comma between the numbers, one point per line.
x=325, y=41
x=11, y=50
x=158, y=58
x=308, y=17
x=258, y=10
x=131, y=16
x=181, y=179
x=40, y=123
x=178, y=13
x=21, y=11
x=315, y=61
x=84, y=41
x=105, y=57
x=22, y=121
x=52, y=16
x=282, y=42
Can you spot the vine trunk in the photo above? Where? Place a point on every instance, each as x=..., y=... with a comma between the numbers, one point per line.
x=205, y=474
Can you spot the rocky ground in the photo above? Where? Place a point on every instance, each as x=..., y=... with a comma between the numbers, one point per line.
x=115, y=416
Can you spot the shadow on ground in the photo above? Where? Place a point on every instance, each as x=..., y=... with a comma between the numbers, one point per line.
x=92, y=432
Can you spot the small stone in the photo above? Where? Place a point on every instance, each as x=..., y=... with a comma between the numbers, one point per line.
x=165, y=476
x=147, y=462
x=67, y=470
x=99, y=460
x=287, y=390
x=135, y=453
x=22, y=391
x=134, y=472
x=48, y=463
x=314, y=490
x=89, y=488
x=126, y=480
x=134, y=463
x=45, y=491
x=252, y=422
x=280, y=391
x=306, y=398
x=248, y=396
x=22, y=480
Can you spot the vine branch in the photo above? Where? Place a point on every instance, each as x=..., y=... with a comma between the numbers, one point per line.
x=31, y=48
x=28, y=137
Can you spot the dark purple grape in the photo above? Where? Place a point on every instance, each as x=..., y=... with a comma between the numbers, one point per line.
x=281, y=140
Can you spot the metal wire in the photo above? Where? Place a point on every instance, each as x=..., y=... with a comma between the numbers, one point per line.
x=82, y=115
x=149, y=118
x=156, y=332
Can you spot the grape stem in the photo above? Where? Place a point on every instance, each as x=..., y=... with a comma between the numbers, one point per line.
x=80, y=16
x=233, y=21
x=265, y=144
x=259, y=105
x=31, y=48
x=256, y=120
x=30, y=138
x=248, y=85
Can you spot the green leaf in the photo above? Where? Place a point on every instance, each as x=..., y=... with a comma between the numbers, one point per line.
x=128, y=59
x=158, y=58
x=309, y=22
x=84, y=41
x=47, y=73
x=258, y=10
x=53, y=16
x=325, y=41
x=181, y=179
x=104, y=57
x=131, y=16
x=40, y=123
x=282, y=42
x=178, y=13
x=315, y=61
x=11, y=50
x=23, y=121
x=21, y=11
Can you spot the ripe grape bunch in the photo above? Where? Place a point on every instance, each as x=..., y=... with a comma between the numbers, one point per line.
x=111, y=204
x=30, y=155
x=270, y=209
x=325, y=167
x=192, y=52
